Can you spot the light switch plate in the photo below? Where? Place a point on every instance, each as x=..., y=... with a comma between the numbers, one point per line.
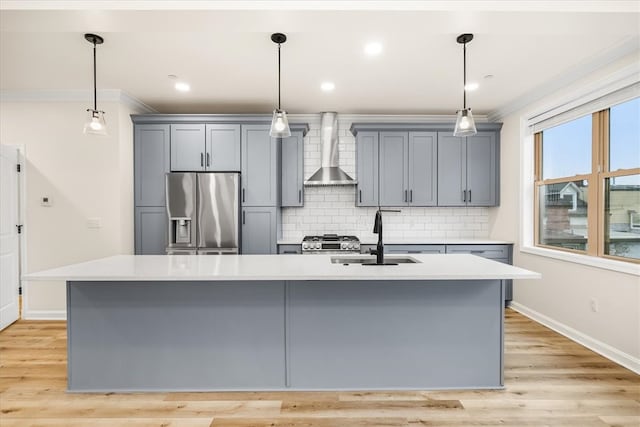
x=94, y=222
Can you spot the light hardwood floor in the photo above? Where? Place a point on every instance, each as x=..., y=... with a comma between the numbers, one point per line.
x=550, y=381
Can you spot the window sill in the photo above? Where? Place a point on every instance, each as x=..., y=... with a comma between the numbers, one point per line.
x=604, y=263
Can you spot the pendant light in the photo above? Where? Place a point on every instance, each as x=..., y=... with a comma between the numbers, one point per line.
x=465, y=126
x=279, y=122
x=95, y=124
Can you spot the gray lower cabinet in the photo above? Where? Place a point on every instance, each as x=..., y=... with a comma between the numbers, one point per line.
x=260, y=162
x=259, y=229
x=500, y=253
x=289, y=249
x=151, y=162
x=468, y=170
x=292, y=170
x=367, y=169
x=150, y=230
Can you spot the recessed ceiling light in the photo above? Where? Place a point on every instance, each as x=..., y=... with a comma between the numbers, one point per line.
x=471, y=86
x=373, y=48
x=327, y=86
x=182, y=87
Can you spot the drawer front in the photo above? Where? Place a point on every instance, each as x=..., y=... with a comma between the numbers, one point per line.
x=289, y=249
x=414, y=249
x=485, y=251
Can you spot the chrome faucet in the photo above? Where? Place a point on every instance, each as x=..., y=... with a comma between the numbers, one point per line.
x=377, y=229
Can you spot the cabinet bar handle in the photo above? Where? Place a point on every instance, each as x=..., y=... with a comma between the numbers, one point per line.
x=469, y=196
x=414, y=252
x=405, y=195
x=299, y=196
x=244, y=217
x=201, y=159
x=243, y=195
x=360, y=195
x=208, y=160
x=464, y=196
x=411, y=196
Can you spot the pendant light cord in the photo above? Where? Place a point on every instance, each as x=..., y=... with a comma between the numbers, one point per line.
x=279, y=76
x=464, y=76
x=95, y=91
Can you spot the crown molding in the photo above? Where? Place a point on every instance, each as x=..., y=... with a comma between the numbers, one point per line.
x=104, y=95
x=626, y=48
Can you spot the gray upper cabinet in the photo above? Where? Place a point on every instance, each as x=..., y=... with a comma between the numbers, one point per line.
x=222, y=148
x=482, y=172
x=452, y=171
x=259, y=230
x=367, y=169
x=394, y=165
x=187, y=147
x=259, y=166
x=468, y=170
x=423, y=167
x=292, y=173
x=151, y=162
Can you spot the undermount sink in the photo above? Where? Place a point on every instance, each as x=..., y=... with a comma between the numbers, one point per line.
x=372, y=260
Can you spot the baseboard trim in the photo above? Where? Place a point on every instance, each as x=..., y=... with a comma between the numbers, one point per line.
x=611, y=353
x=44, y=315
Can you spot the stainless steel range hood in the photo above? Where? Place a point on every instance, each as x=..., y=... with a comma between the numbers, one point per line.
x=329, y=172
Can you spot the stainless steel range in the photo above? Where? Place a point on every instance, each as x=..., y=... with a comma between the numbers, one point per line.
x=330, y=243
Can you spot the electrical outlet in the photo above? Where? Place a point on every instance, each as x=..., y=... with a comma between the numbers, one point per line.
x=94, y=222
x=593, y=303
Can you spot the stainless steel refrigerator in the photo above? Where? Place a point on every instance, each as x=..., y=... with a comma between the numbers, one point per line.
x=203, y=211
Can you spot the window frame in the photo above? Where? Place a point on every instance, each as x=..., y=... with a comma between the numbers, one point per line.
x=595, y=181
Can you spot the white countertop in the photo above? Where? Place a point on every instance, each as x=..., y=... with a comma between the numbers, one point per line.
x=279, y=267
x=420, y=241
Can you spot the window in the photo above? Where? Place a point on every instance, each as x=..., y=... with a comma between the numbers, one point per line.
x=587, y=183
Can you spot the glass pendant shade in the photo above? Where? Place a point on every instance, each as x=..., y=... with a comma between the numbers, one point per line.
x=279, y=124
x=95, y=124
x=465, y=125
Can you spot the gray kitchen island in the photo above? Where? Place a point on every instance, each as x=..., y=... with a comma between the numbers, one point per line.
x=283, y=322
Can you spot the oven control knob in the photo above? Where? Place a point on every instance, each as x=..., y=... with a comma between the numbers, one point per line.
x=305, y=246
x=318, y=245
x=350, y=246
x=343, y=245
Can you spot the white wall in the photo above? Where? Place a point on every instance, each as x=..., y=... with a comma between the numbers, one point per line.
x=84, y=176
x=332, y=209
x=562, y=298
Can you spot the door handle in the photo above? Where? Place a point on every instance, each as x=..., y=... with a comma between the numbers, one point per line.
x=208, y=160
x=243, y=195
x=360, y=195
x=411, y=196
x=469, y=196
x=244, y=217
x=464, y=196
x=299, y=196
x=201, y=160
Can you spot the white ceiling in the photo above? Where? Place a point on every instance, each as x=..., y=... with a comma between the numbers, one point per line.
x=223, y=49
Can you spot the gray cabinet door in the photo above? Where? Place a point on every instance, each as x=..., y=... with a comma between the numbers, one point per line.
x=292, y=173
x=367, y=169
x=259, y=230
x=259, y=166
x=423, y=168
x=151, y=162
x=223, y=148
x=481, y=169
x=394, y=147
x=151, y=230
x=452, y=171
x=187, y=148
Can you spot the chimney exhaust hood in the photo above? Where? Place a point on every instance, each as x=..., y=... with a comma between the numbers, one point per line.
x=329, y=172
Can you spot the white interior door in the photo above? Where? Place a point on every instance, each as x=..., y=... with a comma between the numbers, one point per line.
x=9, y=237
